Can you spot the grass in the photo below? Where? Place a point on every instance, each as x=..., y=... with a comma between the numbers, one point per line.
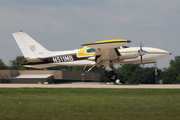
x=89, y=104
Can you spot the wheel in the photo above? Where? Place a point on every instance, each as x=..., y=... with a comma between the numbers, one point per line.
x=113, y=77
x=109, y=73
x=156, y=73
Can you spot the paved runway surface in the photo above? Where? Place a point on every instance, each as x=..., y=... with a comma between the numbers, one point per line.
x=88, y=85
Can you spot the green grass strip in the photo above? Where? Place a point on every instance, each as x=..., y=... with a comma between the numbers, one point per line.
x=89, y=104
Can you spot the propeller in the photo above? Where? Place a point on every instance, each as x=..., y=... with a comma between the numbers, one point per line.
x=142, y=52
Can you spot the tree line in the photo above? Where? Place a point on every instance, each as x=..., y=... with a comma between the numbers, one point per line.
x=128, y=73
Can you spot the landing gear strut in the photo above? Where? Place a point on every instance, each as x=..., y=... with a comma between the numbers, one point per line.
x=156, y=72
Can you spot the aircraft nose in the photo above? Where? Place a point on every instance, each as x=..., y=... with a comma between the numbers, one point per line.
x=163, y=54
x=166, y=52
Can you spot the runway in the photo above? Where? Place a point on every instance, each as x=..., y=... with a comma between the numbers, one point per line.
x=84, y=85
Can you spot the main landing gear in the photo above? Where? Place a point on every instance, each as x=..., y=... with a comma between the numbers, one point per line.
x=109, y=71
x=112, y=76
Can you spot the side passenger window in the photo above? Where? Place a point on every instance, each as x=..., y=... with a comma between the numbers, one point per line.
x=91, y=50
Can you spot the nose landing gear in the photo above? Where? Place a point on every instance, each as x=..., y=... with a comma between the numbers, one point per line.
x=156, y=73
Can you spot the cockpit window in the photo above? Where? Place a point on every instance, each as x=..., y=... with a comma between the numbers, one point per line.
x=91, y=50
x=118, y=47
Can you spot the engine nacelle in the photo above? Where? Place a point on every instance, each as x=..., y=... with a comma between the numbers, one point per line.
x=129, y=55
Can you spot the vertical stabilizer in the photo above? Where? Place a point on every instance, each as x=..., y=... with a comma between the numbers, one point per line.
x=29, y=47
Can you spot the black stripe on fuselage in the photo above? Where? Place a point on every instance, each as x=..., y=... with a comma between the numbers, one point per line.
x=56, y=59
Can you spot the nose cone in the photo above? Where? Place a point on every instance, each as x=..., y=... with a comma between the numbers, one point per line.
x=164, y=53
x=161, y=51
x=152, y=54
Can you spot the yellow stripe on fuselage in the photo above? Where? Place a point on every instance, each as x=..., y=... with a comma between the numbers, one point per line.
x=147, y=51
x=157, y=52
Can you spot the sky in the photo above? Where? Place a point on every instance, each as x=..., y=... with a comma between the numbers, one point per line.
x=65, y=25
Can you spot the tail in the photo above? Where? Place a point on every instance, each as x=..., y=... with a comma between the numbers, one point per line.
x=29, y=47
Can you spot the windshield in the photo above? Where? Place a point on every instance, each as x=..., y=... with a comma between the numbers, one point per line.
x=81, y=47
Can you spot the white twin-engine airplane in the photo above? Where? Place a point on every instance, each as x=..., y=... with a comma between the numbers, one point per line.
x=103, y=53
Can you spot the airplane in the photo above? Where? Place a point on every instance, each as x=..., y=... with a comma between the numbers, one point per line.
x=105, y=53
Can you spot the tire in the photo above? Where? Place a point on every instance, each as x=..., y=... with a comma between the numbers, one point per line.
x=113, y=77
x=109, y=73
x=156, y=74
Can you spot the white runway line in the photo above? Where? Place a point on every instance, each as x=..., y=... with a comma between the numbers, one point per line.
x=163, y=86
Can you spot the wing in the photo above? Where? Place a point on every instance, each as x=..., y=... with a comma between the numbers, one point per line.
x=107, y=44
x=107, y=50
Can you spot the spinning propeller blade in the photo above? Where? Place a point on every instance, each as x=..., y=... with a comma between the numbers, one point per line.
x=140, y=46
x=142, y=52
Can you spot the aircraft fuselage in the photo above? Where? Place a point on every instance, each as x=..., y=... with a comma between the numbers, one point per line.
x=127, y=56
